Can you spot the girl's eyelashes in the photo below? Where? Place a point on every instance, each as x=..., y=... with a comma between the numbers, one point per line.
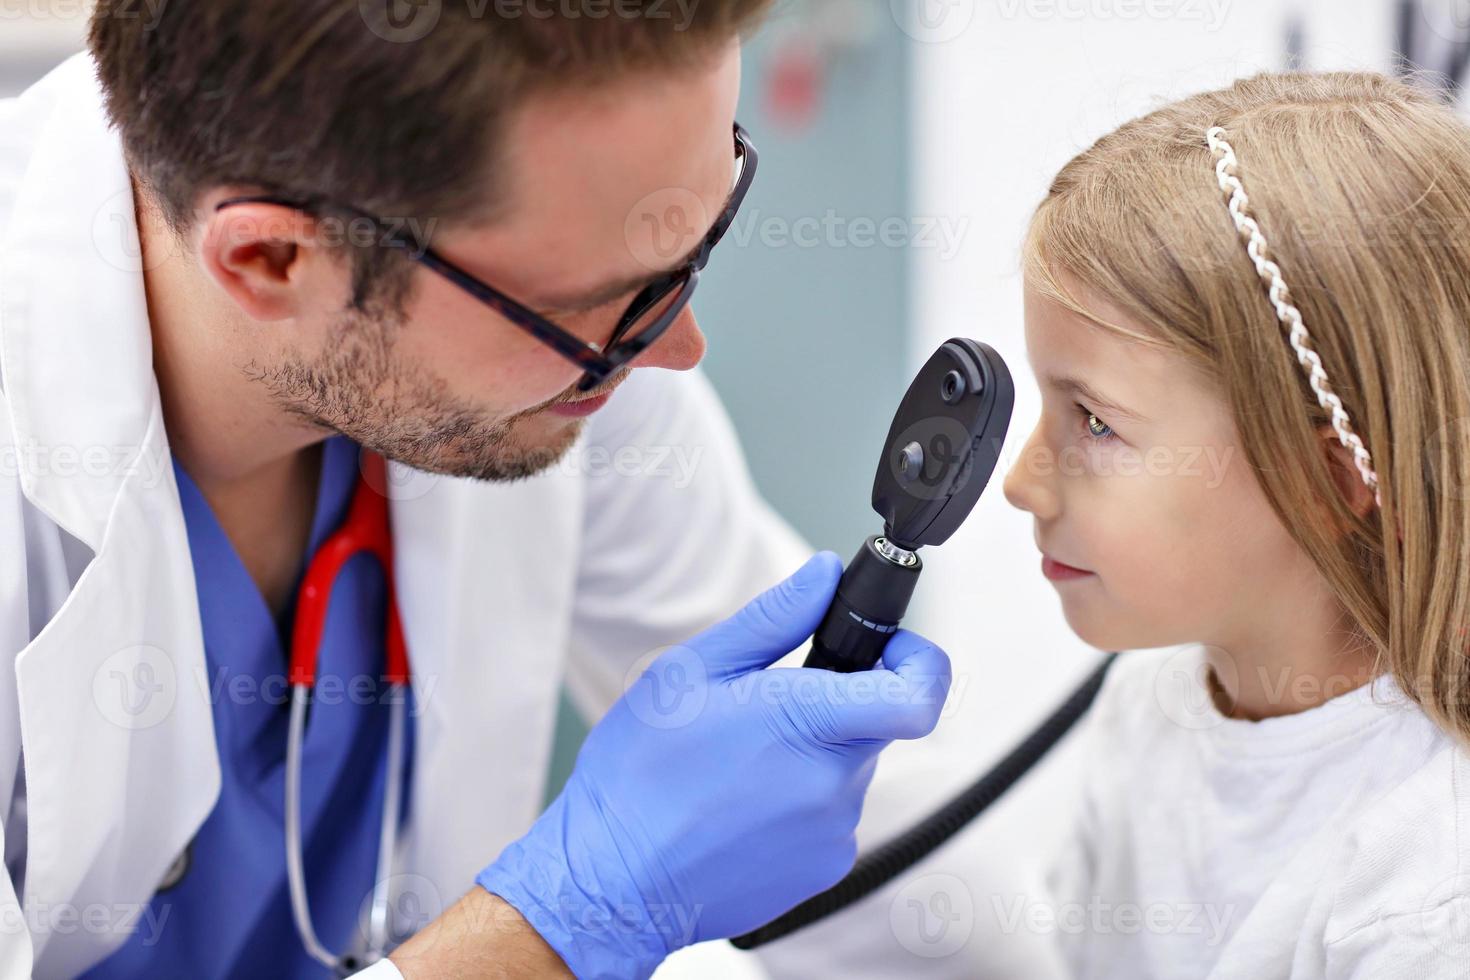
x=1093, y=424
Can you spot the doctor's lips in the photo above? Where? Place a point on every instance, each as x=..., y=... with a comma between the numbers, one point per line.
x=1058, y=572
x=583, y=407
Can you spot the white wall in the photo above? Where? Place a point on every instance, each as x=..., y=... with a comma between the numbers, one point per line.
x=1000, y=110
x=35, y=35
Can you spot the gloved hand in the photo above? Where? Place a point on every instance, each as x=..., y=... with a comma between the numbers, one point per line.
x=715, y=795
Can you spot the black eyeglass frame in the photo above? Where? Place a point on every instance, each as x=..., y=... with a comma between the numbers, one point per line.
x=597, y=362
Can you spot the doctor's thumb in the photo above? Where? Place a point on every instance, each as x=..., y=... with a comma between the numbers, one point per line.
x=773, y=623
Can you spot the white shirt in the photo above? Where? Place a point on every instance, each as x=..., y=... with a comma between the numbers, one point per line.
x=1332, y=843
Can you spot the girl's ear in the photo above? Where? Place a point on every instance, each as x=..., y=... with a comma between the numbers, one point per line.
x=1355, y=493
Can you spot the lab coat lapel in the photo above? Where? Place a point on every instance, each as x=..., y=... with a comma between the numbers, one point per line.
x=486, y=574
x=116, y=727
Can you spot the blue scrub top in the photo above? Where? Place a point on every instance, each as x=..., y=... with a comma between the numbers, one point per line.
x=230, y=914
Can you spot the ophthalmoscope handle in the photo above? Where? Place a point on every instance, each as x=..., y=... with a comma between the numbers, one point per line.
x=872, y=597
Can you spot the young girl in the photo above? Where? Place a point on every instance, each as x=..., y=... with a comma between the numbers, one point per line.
x=1249, y=314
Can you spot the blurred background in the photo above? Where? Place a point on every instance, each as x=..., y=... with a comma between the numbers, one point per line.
x=903, y=144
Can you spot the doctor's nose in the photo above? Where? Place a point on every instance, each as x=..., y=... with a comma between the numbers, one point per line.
x=680, y=348
x=1028, y=485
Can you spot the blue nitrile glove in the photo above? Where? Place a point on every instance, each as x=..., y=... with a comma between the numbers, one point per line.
x=715, y=795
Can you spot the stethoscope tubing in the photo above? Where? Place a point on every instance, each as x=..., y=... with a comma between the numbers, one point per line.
x=366, y=529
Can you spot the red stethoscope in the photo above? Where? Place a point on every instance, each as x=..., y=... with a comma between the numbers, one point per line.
x=365, y=529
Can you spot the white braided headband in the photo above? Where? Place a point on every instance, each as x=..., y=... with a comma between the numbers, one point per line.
x=1286, y=311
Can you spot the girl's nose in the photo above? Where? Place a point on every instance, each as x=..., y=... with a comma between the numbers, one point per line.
x=1028, y=486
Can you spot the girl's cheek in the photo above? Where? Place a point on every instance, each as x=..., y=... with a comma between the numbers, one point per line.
x=1115, y=463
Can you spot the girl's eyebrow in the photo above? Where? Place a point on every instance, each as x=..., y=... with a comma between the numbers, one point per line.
x=1071, y=385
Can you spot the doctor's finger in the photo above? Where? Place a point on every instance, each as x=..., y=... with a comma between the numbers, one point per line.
x=911, y=655
x=902, y=702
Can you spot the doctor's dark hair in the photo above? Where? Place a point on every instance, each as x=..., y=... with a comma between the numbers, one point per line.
x=1361, y=185
x=392, y=106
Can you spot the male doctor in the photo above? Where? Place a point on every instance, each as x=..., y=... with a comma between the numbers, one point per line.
x=437, y=233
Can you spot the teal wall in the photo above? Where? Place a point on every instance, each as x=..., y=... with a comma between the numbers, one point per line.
x=808, y=344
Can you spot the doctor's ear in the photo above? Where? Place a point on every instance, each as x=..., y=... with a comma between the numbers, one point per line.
x=274, y=261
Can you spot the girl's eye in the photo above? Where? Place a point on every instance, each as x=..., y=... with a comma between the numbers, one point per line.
x=1097, y=429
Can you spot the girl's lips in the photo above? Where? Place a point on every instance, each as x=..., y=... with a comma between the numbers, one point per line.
x=1057, y=572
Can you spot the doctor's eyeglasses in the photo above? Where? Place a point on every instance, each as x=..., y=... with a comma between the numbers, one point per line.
x=651, y=313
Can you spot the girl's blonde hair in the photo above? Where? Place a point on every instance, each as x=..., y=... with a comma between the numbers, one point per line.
x=1361, y=185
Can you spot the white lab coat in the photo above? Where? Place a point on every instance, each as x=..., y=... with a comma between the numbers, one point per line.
x=506, y=590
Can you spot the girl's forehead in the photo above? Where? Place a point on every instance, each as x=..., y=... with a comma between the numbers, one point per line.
x=1146, y=379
